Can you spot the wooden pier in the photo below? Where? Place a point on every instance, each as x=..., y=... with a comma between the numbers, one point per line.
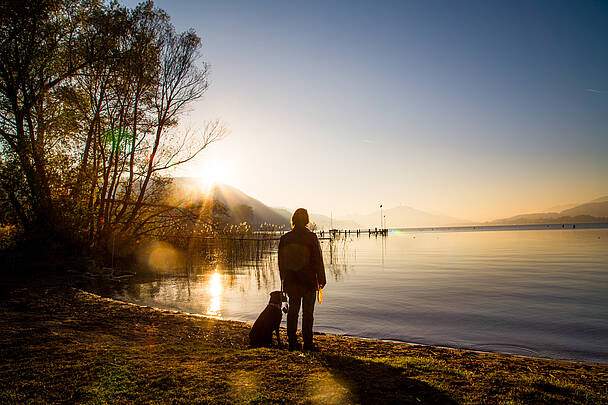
x=333, y=233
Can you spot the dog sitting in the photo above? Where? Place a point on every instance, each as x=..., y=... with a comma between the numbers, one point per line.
x=268, y=321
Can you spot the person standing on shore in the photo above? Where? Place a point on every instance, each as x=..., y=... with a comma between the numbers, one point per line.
x=302, y=274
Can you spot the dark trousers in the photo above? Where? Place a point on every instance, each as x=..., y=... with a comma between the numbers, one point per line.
x=307, y=299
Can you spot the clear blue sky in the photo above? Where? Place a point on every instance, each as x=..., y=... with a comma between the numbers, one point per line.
x=472, y=109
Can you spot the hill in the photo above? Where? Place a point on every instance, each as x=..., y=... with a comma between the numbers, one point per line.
x=244, y=208
x=404, y=216
x=593, y=211
x=595, y=208
x=237, y=201
x=241, y=207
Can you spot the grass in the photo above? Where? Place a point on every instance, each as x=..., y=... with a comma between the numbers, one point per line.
x=61, y=345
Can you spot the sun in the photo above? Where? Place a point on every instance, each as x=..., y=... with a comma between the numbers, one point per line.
x=213, y=172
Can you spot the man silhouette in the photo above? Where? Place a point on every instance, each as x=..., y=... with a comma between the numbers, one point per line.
x=302, y=273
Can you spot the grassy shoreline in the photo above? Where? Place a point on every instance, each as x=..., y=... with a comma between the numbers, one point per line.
x=64, y=345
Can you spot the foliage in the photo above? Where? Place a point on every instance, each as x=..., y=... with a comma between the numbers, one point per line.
x=8, y=235
x=90, y=100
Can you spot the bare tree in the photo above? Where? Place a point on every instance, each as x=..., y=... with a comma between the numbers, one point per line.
x=90, y=100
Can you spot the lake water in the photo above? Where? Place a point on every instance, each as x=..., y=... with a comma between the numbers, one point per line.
x=522, y=290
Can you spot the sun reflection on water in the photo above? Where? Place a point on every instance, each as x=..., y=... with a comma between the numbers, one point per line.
x=215, y=292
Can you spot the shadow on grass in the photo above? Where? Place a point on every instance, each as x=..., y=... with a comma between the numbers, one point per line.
x=372, y=382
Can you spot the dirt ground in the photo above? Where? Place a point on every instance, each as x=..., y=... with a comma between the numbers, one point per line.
x=62, y=345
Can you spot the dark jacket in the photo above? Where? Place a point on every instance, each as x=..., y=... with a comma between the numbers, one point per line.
x=301, y=260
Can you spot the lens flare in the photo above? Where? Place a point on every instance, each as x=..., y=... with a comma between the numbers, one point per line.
x=162, y=257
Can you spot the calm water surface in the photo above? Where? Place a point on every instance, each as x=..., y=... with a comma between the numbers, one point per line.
x=530, y=292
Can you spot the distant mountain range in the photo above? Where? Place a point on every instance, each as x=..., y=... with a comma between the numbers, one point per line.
x=242, y=207
x=236, y=202
x=406, y=217
x=593, y=211
x=322, y=221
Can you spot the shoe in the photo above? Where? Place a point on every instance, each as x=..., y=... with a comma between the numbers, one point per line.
x=295, y=346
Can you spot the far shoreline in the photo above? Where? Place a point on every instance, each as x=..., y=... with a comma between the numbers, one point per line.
x=484, y=227
x=508, y=227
